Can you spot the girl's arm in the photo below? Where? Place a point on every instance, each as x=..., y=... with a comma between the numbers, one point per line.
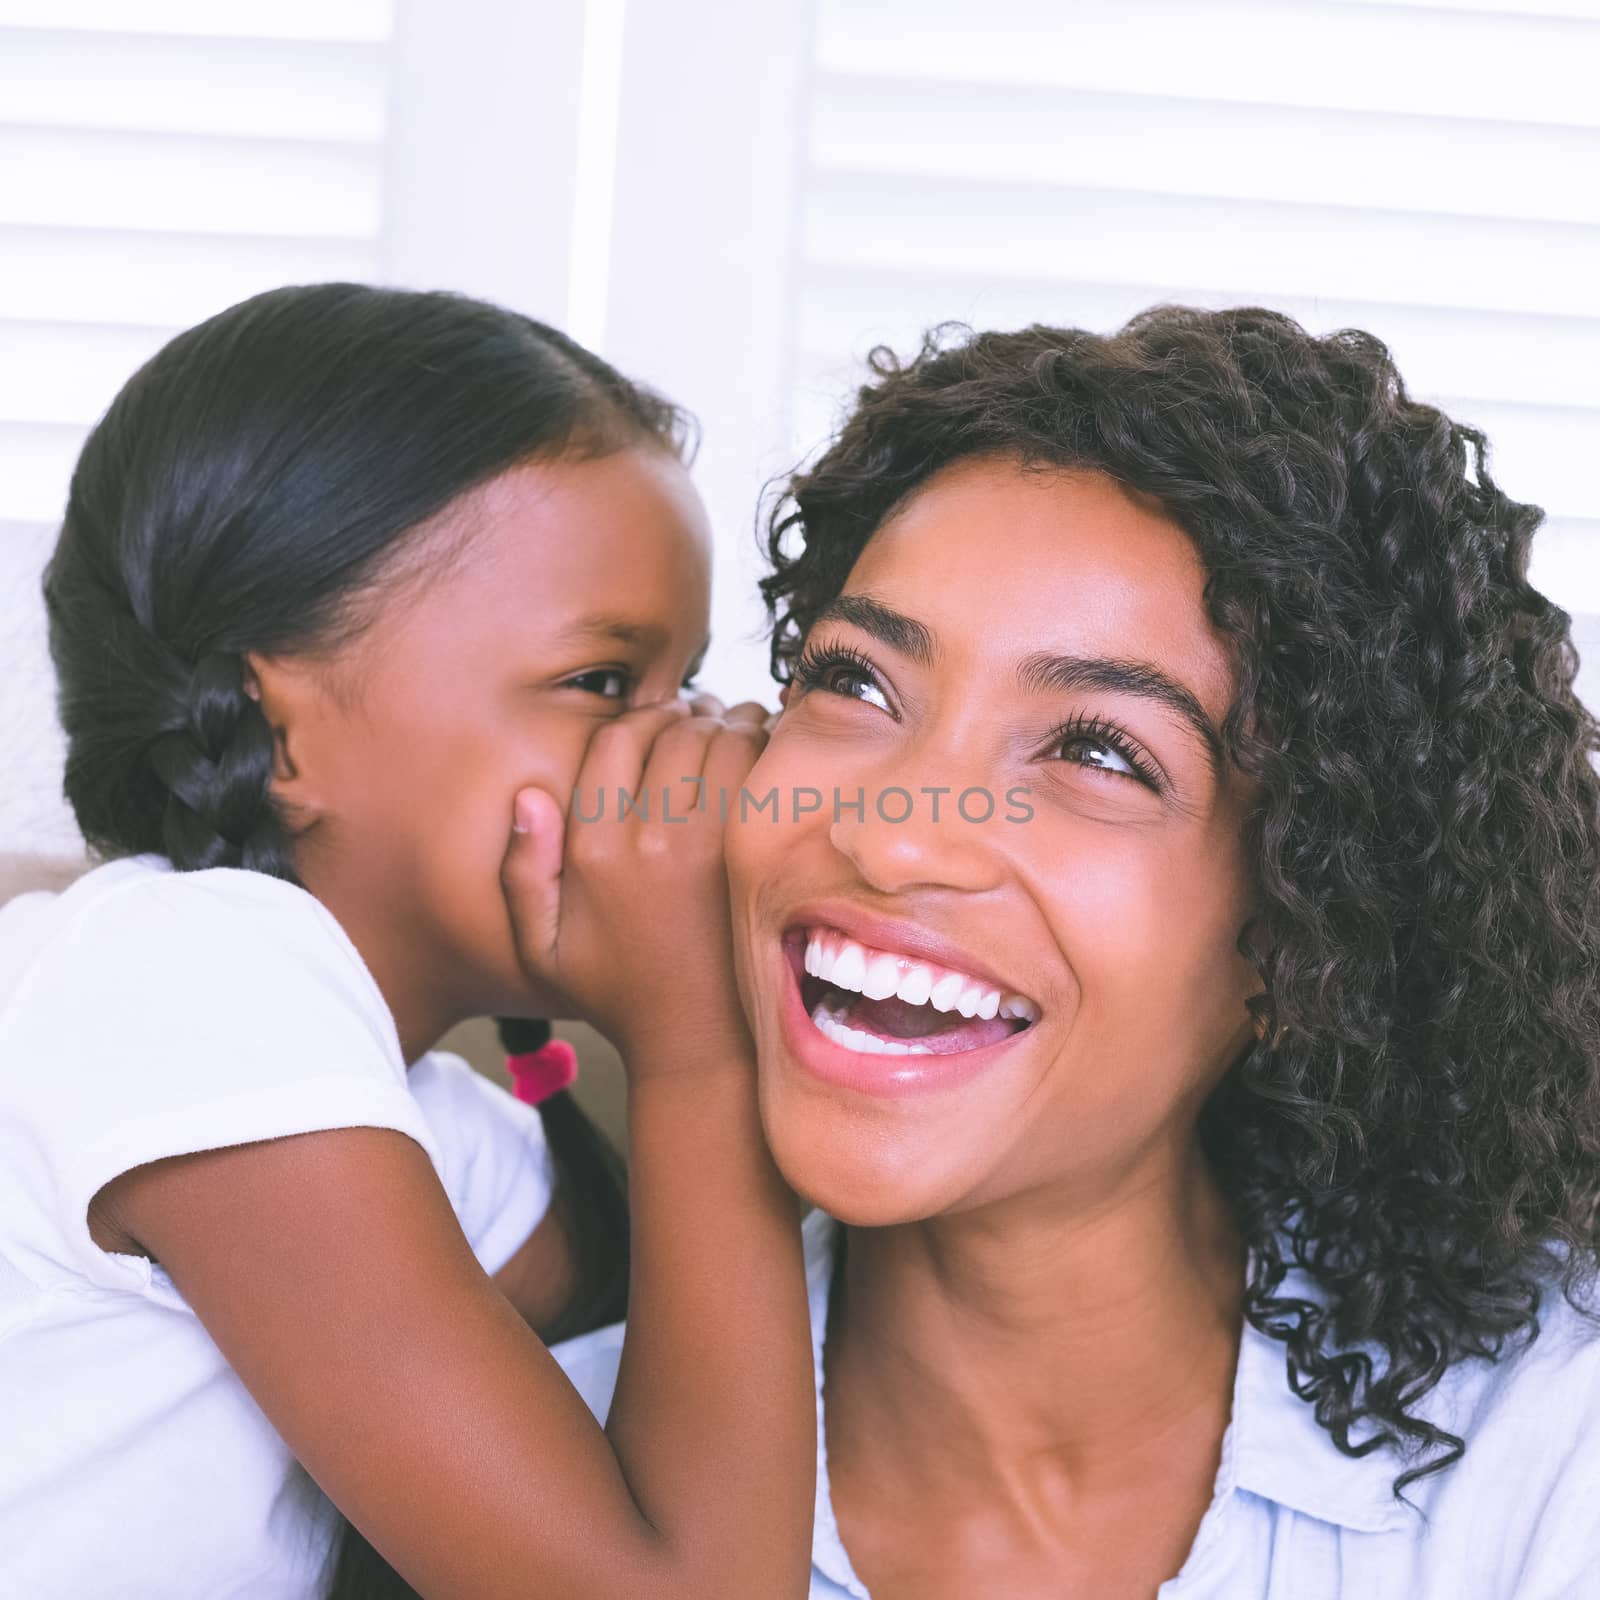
x=332, y=1273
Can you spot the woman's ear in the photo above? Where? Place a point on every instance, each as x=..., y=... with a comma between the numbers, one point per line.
x=293, y=705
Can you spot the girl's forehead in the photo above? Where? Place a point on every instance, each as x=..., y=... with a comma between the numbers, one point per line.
x=620, y=539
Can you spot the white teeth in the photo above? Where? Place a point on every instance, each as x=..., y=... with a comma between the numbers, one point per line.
x=854, y=1039
x=916, y=984
x=882, y=979
x=850, y=970
x=877, y=975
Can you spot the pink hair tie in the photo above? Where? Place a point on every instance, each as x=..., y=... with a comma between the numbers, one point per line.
x=538, y=1074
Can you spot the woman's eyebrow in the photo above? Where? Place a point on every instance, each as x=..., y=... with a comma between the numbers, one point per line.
x=883, y=623
x=1044, y=673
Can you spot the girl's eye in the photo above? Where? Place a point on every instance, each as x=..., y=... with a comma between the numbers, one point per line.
x=1096, y=745
x=609, y=682
x=843, y=672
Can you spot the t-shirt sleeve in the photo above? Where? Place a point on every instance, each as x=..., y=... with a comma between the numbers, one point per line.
x=493, y=1159
x=178, y=1013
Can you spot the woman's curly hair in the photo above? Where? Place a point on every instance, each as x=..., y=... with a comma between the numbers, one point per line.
x=1417, y=1127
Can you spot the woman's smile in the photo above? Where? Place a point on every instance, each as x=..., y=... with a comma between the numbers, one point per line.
x=868, y=1007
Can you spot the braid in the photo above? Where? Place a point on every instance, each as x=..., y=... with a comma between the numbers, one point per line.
x=167, y=754
x=217, y=770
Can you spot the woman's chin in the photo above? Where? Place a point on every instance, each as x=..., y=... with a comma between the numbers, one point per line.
x=863, y=1175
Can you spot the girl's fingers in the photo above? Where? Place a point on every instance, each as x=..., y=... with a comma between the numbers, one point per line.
x=616, y=755
x=728, y=764
x=530, y=874
x=704, y=704
x=748, y=711
x=679, y=751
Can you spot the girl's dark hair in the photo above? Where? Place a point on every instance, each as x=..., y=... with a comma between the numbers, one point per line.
x=1418, y=1126
x=250, y=489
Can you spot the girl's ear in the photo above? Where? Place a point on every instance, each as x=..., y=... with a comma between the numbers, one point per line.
x=292, y=704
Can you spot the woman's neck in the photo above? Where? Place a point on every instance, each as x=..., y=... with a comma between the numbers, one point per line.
x=1030, y=1354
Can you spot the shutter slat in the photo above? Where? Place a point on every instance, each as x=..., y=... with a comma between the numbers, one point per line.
x=1546, y=454
x=172, y=279
x=1479, y=355
x=1486, y=65
x=67, y=372
x=889, y=129
x=56, y=78
x=1514, y=8
x=1263, y=250
x=356, y=20
x=73, y=178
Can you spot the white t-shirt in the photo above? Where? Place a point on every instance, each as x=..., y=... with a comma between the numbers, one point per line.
x=147, y=1013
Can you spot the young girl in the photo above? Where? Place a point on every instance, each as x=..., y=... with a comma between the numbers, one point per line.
x=355, y=588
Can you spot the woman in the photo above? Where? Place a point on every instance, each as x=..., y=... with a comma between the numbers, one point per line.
x=1204, y=1063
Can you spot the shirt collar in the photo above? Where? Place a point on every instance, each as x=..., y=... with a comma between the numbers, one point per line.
x=1274, y=1447
x=1282, y=1453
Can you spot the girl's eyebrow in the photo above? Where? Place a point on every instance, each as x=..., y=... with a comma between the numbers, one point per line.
x=1043, y=673
x=622, y=629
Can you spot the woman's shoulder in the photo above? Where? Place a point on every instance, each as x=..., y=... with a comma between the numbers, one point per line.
x=1543, y=1383
x=1522, y=1504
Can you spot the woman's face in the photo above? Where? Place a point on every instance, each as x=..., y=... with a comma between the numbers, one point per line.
x=1005, y=631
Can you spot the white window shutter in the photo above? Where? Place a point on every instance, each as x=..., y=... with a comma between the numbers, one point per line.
x=158, y=162
x=1430, y=172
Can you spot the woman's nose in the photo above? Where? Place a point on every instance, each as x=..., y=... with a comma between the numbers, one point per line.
x=915, y=830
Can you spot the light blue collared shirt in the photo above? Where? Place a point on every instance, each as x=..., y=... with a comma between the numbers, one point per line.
x=1517, y=1518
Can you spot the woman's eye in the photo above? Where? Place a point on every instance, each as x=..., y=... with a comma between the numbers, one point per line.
x=1103, y=754
x=855, y=684
x=609, y=682
x=842, y=672
x=1095, y=753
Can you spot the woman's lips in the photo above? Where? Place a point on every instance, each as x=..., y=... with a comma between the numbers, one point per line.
x=880, y=1043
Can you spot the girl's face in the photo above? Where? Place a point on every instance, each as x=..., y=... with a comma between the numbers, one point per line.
x=1006, y=631
x=544, y=604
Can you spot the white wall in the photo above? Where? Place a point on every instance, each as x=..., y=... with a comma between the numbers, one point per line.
x=733, y=200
